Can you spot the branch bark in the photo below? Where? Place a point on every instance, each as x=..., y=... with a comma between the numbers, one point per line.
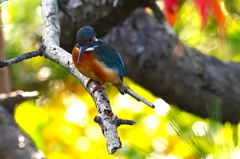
x=23, y=57
x=108, y=121
x=101, y=15
x=50, y=49
x=176, y=80
x=13, y=142
x=150, y=45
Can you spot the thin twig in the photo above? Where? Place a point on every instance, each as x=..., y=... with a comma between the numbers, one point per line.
x=23, y=57
x=113, y=141
x=137, y=97
x=124, y=121
x=157, y=12
x=64, y=9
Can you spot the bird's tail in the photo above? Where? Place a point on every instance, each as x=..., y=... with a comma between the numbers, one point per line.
x=121, y=88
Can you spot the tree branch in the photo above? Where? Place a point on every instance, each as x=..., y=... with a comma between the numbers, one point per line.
x=11, y=100
x=53, y=52
x=23, y=57
x=64, y=9
x=137, y=97
x=178, y=80
x=101, y=15
x=13, y=142
x=161, y=63
x=180, y=49
x=157, y=12
x=102, y=120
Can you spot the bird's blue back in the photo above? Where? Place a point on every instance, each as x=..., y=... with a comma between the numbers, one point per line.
x=108, y=55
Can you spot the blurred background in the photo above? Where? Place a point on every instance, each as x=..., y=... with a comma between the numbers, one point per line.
x=60, y=121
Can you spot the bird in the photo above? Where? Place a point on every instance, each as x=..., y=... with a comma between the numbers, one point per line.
x=98, y=60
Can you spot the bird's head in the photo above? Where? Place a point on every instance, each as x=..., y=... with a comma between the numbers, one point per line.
x=85, y=36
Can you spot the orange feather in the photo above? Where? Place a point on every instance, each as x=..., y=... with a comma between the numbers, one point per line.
x=90, y=67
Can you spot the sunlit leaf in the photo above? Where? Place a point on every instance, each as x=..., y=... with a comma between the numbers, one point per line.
x=211, y=8
x=170, y=10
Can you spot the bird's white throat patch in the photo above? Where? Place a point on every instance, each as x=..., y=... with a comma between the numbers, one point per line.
x=91, y=48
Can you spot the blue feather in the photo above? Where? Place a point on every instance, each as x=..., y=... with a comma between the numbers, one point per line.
x=108, y=55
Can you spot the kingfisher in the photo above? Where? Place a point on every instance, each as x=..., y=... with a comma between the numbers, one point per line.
x=98, y=60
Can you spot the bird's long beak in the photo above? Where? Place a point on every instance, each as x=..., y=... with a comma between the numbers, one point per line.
x=82, y=49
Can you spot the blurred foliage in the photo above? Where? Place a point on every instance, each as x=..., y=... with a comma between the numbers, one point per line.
x=208, y=139
x=1, y=1
x=210, y=39
x=60, y=121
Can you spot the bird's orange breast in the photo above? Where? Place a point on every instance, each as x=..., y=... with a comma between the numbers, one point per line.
x=92, y=68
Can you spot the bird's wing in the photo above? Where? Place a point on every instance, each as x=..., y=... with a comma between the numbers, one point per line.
x=109, y=56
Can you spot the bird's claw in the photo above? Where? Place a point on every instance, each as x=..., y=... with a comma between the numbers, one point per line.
x=89, y=81
x=98, y=87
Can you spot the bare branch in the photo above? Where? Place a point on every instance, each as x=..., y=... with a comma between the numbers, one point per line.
x=125, y=122
x=55, y=53
x=99, y=96
x=137, y=97
x=51, y=28
x=156, y=10
x=11, y=100
x=64, y=9
x=108, y=129
x=23, y=57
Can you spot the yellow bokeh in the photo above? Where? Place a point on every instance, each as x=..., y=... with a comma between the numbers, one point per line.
x=60, y=121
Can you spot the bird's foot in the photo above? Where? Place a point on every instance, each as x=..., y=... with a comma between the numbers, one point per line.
x=101, y=86
x=89, y=81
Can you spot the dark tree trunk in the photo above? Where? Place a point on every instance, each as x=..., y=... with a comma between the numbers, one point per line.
x=148, y=56
x=146, y=47
x=14, y=143
x=101, y=15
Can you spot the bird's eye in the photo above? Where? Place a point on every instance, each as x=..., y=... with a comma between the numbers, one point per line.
x=89, y=41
